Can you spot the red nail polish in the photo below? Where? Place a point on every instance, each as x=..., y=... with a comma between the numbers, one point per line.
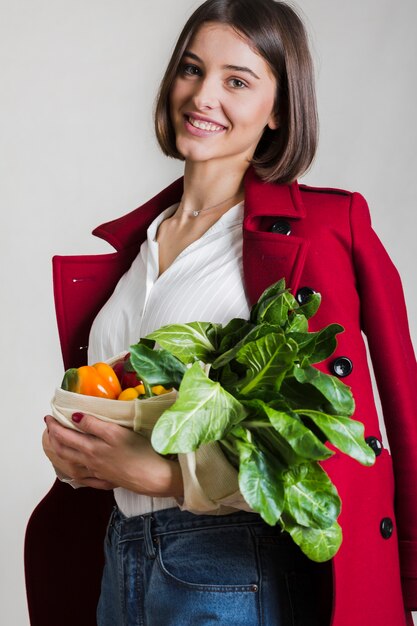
x=77, y=417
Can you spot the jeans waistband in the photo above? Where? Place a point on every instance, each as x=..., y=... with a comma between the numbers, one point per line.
x=173, y=520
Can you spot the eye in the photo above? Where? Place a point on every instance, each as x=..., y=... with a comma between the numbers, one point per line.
x=237, y=83
x=189, y=69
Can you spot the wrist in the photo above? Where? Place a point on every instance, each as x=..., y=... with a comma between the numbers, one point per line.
x=160, y=479
x=172, y=480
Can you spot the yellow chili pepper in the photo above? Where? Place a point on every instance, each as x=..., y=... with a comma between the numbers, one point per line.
x=128, y=394
x=131, y=393
x=159, y=390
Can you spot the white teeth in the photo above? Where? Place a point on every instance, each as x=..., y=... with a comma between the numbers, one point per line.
x=204, y=125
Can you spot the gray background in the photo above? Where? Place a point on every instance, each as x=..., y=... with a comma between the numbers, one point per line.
x=76, y=148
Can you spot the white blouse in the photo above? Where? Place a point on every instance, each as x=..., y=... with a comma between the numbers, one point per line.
x=204, y=283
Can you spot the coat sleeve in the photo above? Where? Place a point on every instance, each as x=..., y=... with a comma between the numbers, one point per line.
x=385, y=324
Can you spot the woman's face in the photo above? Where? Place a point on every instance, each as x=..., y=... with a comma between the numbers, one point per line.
x=222, y=98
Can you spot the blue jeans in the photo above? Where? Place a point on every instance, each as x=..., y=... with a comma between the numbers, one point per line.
x=174, y=568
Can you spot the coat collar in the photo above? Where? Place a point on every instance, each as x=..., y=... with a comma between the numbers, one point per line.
x=265, y=199
x=130, y=229
x=261, y=198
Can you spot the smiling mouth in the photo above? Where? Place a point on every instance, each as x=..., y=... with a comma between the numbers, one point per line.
x=208, y=126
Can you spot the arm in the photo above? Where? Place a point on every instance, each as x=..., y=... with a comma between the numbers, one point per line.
x=384, y=321
x=106, y=455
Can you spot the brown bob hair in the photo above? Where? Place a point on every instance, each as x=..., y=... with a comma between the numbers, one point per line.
x=274, y=30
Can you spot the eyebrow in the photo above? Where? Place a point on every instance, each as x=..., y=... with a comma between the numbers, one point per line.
x=236, y=68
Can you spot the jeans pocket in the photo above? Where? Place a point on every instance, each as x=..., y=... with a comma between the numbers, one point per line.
x=210, y=559
x=205, y=577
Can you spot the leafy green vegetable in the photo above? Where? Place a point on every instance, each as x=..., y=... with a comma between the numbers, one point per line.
x=335, y=392
x=252, y=386
x=188, y=342
x=156, y=367
x=301, y=439
x=260, y=478
x=315, y=347
x=311, y=497
x=268, y=359
x=204, y=412
x=319, y=544
x=344, y=433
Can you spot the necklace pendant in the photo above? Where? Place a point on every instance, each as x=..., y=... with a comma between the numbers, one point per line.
x=196, y=213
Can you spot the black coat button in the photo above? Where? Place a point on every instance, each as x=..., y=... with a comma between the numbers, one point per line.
x=386, y=527
x=282, y=227
x=375, y=444
x=303, y=294
x=342, y=366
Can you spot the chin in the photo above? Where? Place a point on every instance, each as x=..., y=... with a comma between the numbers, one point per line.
x=196, y=155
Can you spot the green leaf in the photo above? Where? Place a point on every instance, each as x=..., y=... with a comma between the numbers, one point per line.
x=336, y=392
x=252, y=335
x=345, y=433
x=297, y=323
x=273, y=290
x=293, y=432
x=311, y=307
x=188, y=342
x=267, y=359
x=233, y=333
x=150, y=343
x=204, y=412
x=214, y=334
x=228, y=378
x=294, y=394
x=315, y=347
x=275, y=310
x=260, y=479
x=156, y=367
x=317, y=544
x=311, y=498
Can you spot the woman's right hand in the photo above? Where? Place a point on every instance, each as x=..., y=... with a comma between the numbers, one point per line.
x=68, y=470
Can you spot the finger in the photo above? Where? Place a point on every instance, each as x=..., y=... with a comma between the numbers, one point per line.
x=62, y=436
x=60, y=448
x=96, y=427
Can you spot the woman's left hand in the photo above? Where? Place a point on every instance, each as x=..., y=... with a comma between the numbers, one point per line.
x=115, y=457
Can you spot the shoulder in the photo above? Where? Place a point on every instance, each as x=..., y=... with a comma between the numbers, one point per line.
x=312, y=195
x=335, y=198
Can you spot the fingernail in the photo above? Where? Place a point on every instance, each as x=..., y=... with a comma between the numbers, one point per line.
x=77, y=417
x=44, y=419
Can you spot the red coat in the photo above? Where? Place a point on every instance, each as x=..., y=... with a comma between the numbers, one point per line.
x=333, y=250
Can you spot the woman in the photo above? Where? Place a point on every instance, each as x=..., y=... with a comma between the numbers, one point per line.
x=237, y=105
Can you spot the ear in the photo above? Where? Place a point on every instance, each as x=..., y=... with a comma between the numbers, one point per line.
x=273, y=121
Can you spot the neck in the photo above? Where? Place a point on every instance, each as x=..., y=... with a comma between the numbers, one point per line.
x=208, y=185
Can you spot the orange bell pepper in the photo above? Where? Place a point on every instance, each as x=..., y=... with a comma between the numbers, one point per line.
x=92, y=380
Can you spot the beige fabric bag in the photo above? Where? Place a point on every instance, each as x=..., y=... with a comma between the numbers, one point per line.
x=210, y=482
x=140, y=415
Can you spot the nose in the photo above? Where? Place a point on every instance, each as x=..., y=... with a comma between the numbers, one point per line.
x=207, y=93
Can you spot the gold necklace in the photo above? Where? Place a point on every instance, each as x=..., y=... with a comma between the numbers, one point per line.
x=197, y=213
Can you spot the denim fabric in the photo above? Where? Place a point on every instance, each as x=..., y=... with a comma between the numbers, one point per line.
x=173, y=568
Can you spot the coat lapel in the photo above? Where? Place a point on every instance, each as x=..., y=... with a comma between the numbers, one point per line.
x=267, y=256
